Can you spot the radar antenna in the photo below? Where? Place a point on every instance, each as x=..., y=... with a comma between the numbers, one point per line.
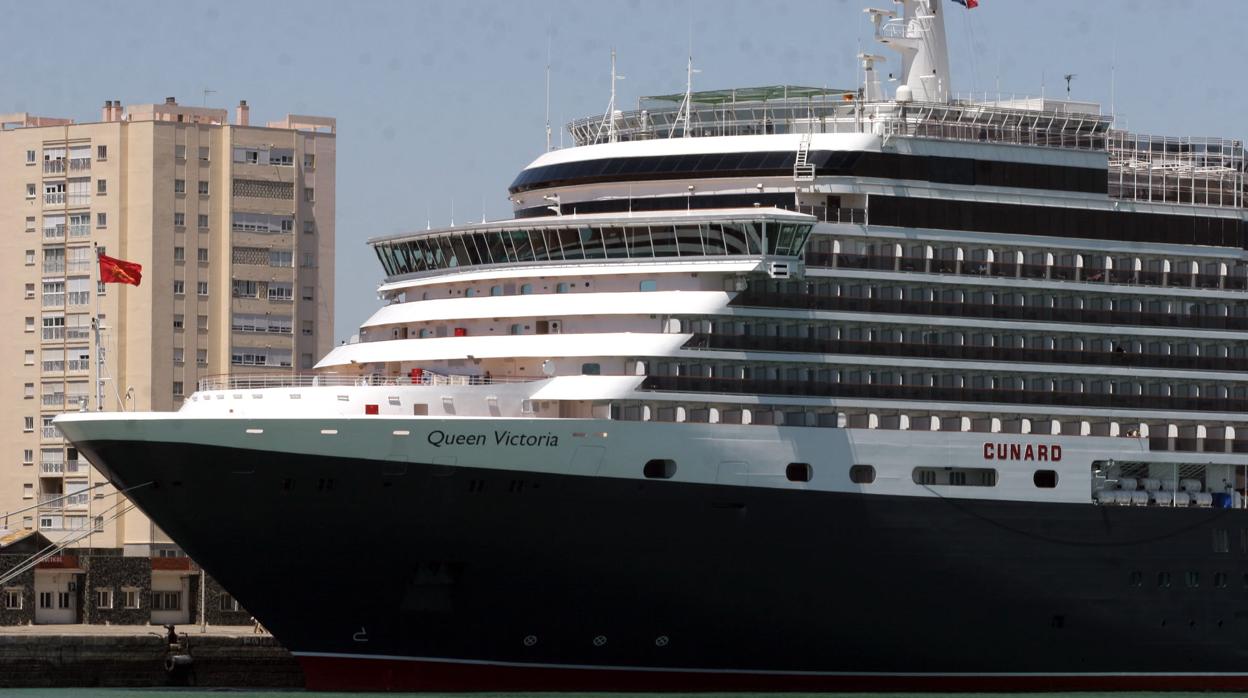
x=1068, y=77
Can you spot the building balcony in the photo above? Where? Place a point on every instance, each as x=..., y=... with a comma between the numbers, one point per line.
x=56, y=400
x=54, y=167
x=54, y=233
x=75, y=466
x=51, y=467
x=50, y=432
x=80, y=165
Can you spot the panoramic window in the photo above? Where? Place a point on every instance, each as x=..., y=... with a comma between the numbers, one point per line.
x=659, y=469
x=956, y=477
x=862, y=474
x=798, y=472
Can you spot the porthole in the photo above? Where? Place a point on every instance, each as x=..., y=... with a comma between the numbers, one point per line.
x=862, y=474
x=1219, y=580
x=1046, y=479
x=798, y=472
x=659, y=469
x=1163, y=580
x=1192, y=579
x=1137, y=578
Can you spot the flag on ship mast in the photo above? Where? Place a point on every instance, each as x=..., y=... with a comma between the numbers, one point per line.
x=968, y=4
x=119, y=271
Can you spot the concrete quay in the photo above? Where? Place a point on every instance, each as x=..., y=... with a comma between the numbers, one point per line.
x=65, y=656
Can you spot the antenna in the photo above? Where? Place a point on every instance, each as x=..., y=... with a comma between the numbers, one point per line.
x=608, y=118
x=428, y=218
x=206, y=93
x=452, y=211
x=1068, y=77
x=548, y=90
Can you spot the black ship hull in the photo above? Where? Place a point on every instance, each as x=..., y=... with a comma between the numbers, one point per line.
x=405, y=576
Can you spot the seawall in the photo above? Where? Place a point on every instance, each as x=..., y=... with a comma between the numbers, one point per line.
x=139, y=657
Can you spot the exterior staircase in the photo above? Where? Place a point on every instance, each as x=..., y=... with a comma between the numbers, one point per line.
x=803, y=171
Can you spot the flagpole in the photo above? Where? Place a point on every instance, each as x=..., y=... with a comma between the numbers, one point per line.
x=99, y=345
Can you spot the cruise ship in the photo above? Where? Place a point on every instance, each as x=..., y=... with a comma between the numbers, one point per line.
x=775, y=388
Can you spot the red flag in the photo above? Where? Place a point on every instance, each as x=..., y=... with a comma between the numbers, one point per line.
x=119, y=271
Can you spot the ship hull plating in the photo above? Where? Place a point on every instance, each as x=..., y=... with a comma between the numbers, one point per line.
x=384, y=575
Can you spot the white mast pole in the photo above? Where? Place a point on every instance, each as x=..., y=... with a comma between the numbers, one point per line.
x=99, y=344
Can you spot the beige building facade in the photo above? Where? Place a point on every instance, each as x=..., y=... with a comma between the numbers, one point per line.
x=234, y=226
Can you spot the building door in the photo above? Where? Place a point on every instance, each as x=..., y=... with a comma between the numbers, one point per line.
x=56, y=597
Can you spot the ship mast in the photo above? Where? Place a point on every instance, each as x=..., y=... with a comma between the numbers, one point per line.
x=919, y=36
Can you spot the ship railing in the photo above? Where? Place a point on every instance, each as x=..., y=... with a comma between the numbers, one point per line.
x=259, y=381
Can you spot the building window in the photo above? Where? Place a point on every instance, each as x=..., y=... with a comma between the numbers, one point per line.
x=309, y=194
x=30, y=157
x=307, y=328
x=166, y=600
x=281, y=258
x=179, y=186
x=307, y=293
x=309, y=260
x=179, y=254
x=179, y=287
x=201, y=288
x=30, y=357
x=281, y=291
x=101, y=187
x=203, y=156
x=305, y=361
x=562, y=287
x=201, y=255
x=13, y=595
x=129, y=597
x=201, y=323
x=309, y=161
x=101, y=220
x=30, y=290
x=179, y=220
x=201, y=357
x=101, y=152
x=309, y=227
x=28, y=423
x=30, y=323
x=179, y=152
x=517, y=329
x=178, y=322
x=203, y=221
x=28, y=490
x=178, y=354
x=862, y=474
x=28, y=456
x=1221, y=540
x=30, y=224
x=103, y=598
x=28, y=390
x=798, y=472
x=30, y=258
x=31, y=190
x=203, y=189
x=177, y=388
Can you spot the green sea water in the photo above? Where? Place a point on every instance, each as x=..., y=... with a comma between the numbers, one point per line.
x=251, y=693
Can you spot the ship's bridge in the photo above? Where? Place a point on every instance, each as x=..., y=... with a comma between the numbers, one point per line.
x=754, y=233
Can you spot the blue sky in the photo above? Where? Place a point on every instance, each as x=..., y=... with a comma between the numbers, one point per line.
x=442, y=101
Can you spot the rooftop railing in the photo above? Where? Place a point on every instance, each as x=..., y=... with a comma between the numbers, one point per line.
x=295, y=380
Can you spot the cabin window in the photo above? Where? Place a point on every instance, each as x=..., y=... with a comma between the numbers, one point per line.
x=526, y=289
x=517, y=329
x=1192, y=579
x=496, y=290
x=956, y=477
x=798, y=472
x=562, y=287
x=470, y=292
x=591, y=369
x=1046, y=479
x=1221, y=540
x=1219, y=580
x=862, y=474
x=1137, y=578
x=648, y=285
x=659, y=469
x=1163, y=580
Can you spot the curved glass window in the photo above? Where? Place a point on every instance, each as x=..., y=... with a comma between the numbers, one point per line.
x=694, y=238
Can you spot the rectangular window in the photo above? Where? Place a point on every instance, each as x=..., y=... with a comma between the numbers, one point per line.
x=305, y=361
x=30, y=290
x=203, y=153
x=178, y=354
x=129, y=597
x=246, y=289
x=307, y=293
x=28, y=423
x=203, y=221
x=101, y=220
x=309, y=194
x=179, y=254
x=309, y=161
x=13, y=595
x=177, y=388
x=201, y=255
x=227, y=602
x=280, y=258
x=179, y=287
x=28, y=454
x=179, y=152
x=166, y=600
x=309, y=227
x=30, y=258
x=28, y=490
x=309, y=260
x=201, y=323
x=178, y=322
x=201, y=357
x=179, y=220
x=31, y=190
x=30, y=157
x=28, y=390
x=307, y=328
x=103, y=598
x=30, y=323
x=101, y=187
x=30, y=357
x=101, y=152
x=201, y=288
x=30, y=224
x=957, y=477
x=203, y=189
x=179, y=186
x=279, y=291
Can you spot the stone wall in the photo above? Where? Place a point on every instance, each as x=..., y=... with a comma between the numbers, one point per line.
x=215, y=596
x=116, y=572
x=26, y=582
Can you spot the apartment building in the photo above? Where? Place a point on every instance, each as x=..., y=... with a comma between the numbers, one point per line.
x=234, y=226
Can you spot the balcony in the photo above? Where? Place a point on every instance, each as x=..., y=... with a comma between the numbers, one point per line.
x=50, y=432
x=75, y=465
x=80, y=164
x=54, y=233
x=51, y=468
x=79, y=230
x=77, y=501
x=54, y=198
x=50, y=500
x=79, y=364
x=54, y=400
x=54, y=167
